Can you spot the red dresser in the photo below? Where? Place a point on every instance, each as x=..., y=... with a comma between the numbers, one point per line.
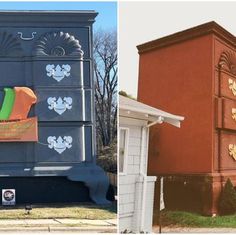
x=192, y=73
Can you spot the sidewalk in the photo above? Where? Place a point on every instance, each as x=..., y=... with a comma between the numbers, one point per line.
x=176, y=229
x=58, y=225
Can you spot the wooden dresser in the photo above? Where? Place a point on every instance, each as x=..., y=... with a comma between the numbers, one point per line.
x=192, y=73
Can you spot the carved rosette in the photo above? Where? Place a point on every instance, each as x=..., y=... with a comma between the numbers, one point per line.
x=227, y=62
x=58, y=44
x=9, y=45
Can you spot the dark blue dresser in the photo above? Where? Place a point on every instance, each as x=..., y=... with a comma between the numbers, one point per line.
x=51, y=53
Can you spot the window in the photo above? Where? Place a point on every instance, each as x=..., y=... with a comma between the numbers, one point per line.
x=123, y=149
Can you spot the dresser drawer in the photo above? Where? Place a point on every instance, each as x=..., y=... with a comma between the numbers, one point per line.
x=226, y=113
x=227, y=85
x=28, y=41
x=64, y=144
x=227, y=150
x=63, y=105
x=23, y=72
x=58, y=73
x=12, y=73
x=12, y=152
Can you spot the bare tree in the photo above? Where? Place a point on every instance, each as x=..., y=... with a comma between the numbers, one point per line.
x=105, y=68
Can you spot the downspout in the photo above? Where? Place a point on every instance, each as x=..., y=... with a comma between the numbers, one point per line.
x=144, y=179
x=142, y=173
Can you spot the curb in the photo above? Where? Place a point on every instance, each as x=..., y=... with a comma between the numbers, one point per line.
x=103, y=229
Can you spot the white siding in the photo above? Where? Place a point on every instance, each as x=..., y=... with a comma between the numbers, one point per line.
x=136, y=189
x=149, y=204
x=127, y=182
x=125, y=224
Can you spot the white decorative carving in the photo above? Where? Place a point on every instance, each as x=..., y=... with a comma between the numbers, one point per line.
x=60, y=105
x=232, y=86
x=58, y=72
x=60, y=144
x=232, y=151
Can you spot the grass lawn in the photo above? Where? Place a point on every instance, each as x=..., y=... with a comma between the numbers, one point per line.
x=89, y=211
x=187, y=219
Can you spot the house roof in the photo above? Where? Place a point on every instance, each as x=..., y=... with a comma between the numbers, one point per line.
x=149, y=113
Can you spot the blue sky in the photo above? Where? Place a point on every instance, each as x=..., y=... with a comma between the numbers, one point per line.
x=107, y=18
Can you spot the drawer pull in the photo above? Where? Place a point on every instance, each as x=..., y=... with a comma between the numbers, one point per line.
x=234, y=113
x=232, y=86
x=58, y=72
x=26, y=39
x=59, y=105
x=232, y=151
x=60, y=144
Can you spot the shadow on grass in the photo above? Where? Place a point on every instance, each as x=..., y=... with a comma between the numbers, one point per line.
x=188, y=219
x=111, y=207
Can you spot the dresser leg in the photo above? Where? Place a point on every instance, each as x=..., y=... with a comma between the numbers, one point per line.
x=98, y=190
x=95, y=179
x=211, y=196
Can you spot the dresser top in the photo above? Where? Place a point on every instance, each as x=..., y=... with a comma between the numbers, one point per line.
x=198, y=31
x=26, y=17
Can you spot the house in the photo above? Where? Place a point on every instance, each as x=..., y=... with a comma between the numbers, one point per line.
x=136, y=189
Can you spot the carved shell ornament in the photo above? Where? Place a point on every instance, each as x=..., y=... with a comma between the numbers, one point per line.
x=227, y=62
x=58, y=44
x=9, y=45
